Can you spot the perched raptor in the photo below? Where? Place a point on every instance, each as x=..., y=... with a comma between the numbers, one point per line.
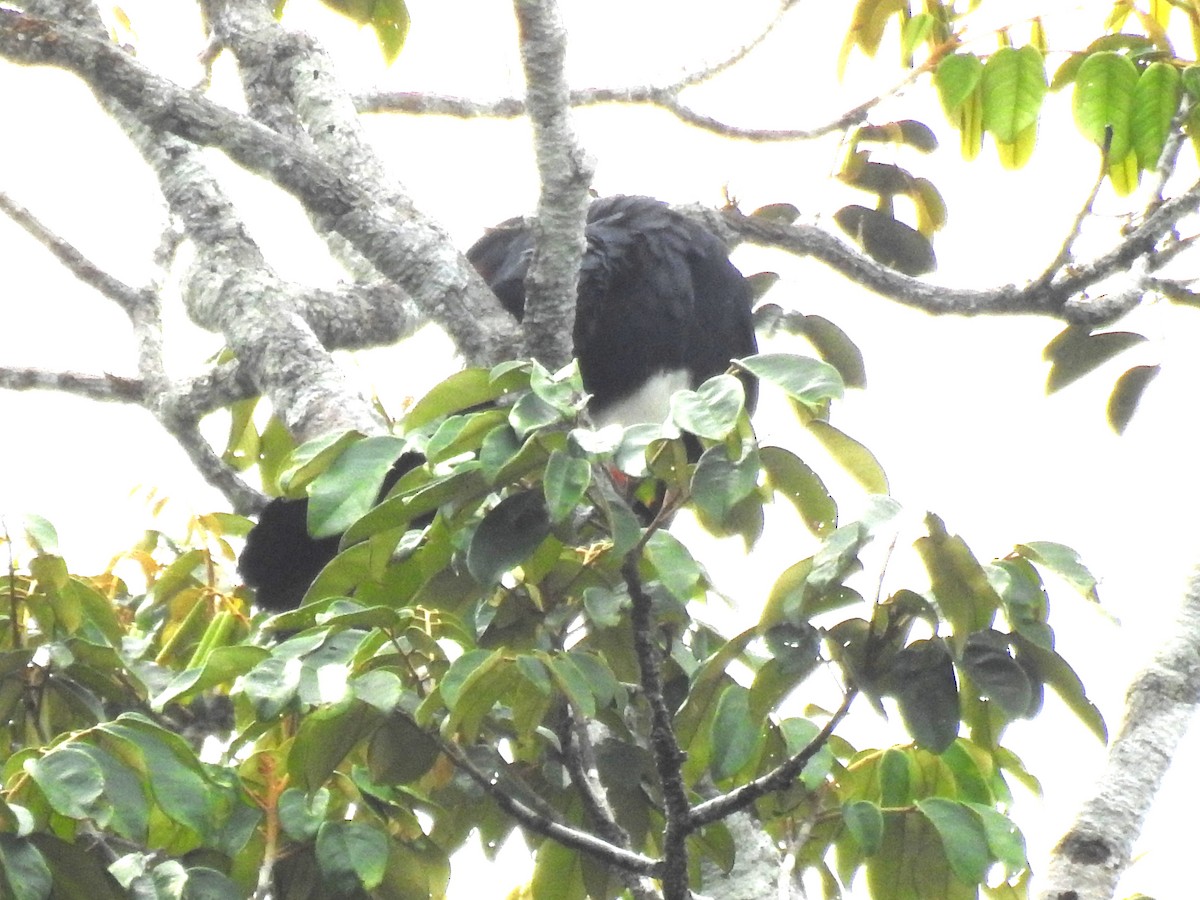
x=660, y=308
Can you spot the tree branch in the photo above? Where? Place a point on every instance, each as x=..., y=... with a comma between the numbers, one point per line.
x=1160, y=704
x=564, y=173
x=668, y=757
x=410, y=250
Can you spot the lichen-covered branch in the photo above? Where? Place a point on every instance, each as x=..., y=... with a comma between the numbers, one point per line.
x=564, y=173
x=1160, y=705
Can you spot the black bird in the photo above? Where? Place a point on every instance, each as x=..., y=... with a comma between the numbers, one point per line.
x=660, y=308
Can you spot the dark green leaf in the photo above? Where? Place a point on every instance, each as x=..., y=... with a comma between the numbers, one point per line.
x=887, y=240
x=507, y=536
x=922, y=680
x=990, y=665
x=735, y=736
x=352, y=856
x=1127, y=394
x=23, y=869
x=71, y=780
x=1050, y=668
x=719, y=484
x=1075, y=351
x=865, y=822
x=566, y=480
x=325, y=737
x=963, y=837
x=676, y=568
x=347, y=489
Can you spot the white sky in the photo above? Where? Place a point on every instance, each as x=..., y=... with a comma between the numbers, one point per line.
x=955, y=409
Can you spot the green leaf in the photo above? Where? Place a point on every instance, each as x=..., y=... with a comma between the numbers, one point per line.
x=352, y=856
x=852, y=456
x=71, y=780
x=1063, y=562
x=565, y=482
x=23, y=869
x=1050, y=668
x=712, y=410
x=300, y=814
x=347, y=489
x=676, y=568
x=887, y=240
x=956, y=78
x=808, y=381
x=922, y=681
x=1075, y=351
x=325, y=737
x=964, y=595
x=222, y=665
x=391, y=22
x=990, y=665
x=791, y=476
x=1155, y=102
x=963, y=837
x=735, y=736
x=1103, y=102
x=865, y=823
x=895, y=778
x=836, y=348
x=1127, y=394
x=719, y=484
x=1014, y=85
x=557, y=874
x=507, y=536
x=1005, y=841
x=460, y=391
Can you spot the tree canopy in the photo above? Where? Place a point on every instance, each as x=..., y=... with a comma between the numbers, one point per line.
x=503, y=645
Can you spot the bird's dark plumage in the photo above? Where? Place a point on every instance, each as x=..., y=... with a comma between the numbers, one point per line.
x=657, y=294
x=660, y=307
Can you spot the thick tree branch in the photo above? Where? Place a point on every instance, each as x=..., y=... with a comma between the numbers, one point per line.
x=442, y=283
x=1159, y=707
x=565, y=174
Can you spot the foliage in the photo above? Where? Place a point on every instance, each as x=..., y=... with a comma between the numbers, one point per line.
x=476, y=635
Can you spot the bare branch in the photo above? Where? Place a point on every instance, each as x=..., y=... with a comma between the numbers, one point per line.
x=564, y=173
x=409, y=250
x=1161, y=703
x=106, y=388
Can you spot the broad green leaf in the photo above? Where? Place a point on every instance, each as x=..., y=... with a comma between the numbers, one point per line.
x=463, y=433
x=1005, y=841
x=865, y=822
x=712, y=410
x=223, y=665
x=325, y=737
x=852, y=456
x=399, y=752
x=676, y=568
x=352, y=856
x=459, y=392
x=23, y=869
x=123, y=790
x=989, y=663
x=719, y=484
x=922, y=681
x=557, y=874
x=1155, y=102
x=1127, y=394
x=808, y=381
x=302, y=814
x=565, y=481
x=964, y=596
x=1062, y=561
x=963, y=837
x=791, y=476
x=507, y=536
x=1075, y=351
x=1014, y=85
x=735, y=736
x=895, y=778
x=836, y=348
x=887, y=240
x=956, y=78
x=348, y=488
x=1016, y=154
x=1053, y=670
x=1103, y=102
